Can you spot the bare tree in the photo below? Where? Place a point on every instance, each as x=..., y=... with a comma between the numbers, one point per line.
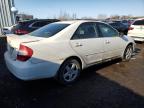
x=74, y=16
x=115, y=17
x=87, y=18
x=64, y=16
x=102, y=16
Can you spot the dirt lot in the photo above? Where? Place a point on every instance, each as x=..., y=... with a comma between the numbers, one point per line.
x=113, y=84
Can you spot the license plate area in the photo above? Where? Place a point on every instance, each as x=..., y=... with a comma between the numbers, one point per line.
x=12, y=52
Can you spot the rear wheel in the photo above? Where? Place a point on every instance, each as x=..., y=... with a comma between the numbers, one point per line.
x=69, y=71
x=128, y=53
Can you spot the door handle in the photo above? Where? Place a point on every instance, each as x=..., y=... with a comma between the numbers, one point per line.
x=78, y=45
x=107, y=42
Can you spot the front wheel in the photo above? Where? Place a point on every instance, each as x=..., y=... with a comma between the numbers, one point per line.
x=69, y=71
x=128, y=53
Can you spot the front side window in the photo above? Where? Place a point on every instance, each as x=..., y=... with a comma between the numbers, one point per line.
x=86, y=30
x=49, y=30
x=107, y=31
x=139, y=22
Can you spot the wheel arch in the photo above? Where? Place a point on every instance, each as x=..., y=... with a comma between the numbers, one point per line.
x=132, y=44
x=70, y=57
x=76, y=58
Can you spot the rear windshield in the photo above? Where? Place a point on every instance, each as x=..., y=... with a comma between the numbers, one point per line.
x=139, y=22
x=21, y=25
x=49, y=30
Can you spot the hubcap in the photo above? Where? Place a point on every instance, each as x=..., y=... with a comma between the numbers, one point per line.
x=128, y=53
x=70, y=72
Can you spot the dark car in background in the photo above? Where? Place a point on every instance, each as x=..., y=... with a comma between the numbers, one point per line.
x=123, y=29
x=25, y=27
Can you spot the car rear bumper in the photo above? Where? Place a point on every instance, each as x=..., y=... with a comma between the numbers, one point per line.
x=30, y=71
x=137, y=38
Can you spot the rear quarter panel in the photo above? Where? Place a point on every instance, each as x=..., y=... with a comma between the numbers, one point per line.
x=51, y=51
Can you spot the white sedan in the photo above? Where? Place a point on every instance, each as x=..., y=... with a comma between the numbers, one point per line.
x=63, y=49
x=7, y=30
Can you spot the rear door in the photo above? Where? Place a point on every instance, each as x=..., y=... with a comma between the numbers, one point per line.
x=87, y=43
x=113, y=44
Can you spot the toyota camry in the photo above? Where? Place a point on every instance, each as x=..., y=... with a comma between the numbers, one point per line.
x=62, y=49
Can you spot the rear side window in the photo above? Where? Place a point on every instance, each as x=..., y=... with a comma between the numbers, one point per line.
x=49, y=30
x=86, y=30
x=107, y=31
x=139, y=22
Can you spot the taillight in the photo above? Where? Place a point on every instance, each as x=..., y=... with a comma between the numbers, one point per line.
x=130, y=28
x=24, y=53
x=21, y=31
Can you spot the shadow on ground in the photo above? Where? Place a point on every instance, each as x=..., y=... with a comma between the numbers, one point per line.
x=91, y=91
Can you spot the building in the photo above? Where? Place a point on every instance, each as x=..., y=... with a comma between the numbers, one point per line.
x=7, y=17
x=21, y=17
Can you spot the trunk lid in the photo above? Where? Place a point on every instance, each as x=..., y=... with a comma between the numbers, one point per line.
x=14, y=41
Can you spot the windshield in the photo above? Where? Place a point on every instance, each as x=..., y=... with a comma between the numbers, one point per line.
x=49, y=30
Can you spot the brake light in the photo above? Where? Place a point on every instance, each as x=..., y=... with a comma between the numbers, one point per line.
x=24, y=53
x=130, y=28
x=21, y=31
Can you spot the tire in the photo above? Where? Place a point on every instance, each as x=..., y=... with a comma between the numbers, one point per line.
x=128, y=53
x=69, y=72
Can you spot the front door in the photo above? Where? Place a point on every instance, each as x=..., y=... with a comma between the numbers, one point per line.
x=113, y=43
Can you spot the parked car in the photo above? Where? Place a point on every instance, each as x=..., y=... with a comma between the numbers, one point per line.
x=125, y=22
x=130, y=21
x=7, y=30
x=63, y=49
x=25, y=27
x=120, y=27
x=136, y=30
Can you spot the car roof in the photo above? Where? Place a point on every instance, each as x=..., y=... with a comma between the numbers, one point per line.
x=117, y=21
x=33, y=20
x=139, y=19
x=77, y=21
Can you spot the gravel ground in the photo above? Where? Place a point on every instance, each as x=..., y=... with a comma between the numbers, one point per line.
x=113, y=84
